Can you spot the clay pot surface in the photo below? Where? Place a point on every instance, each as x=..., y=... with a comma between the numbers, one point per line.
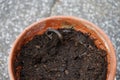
x=102, y=40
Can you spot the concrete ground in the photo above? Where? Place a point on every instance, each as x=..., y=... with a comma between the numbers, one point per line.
x=15, y=15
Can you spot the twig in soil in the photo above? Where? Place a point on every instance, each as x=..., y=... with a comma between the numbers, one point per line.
x=55, y=31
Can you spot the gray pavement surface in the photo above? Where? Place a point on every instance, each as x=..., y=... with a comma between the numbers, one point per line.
x=15, y=15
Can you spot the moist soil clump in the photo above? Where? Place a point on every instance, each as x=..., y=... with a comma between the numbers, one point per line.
x=63, y=54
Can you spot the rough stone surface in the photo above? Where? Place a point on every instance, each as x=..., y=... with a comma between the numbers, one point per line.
x=15, y=15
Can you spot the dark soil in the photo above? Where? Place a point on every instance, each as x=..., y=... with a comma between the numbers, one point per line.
x=72, y=56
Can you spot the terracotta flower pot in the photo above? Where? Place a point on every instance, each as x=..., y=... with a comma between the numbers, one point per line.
x=102, y=41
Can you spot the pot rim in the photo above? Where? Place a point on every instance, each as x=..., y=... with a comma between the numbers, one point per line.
x=113, y=55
